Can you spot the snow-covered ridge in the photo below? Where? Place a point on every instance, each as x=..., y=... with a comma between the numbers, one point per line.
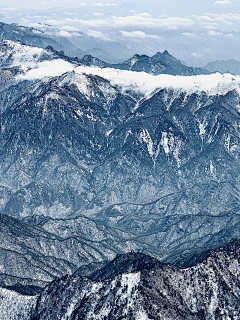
x=40, y=63
x=20, y=54
x=140, y=81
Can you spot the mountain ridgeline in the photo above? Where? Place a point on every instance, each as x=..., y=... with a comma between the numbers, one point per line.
x=160, y=63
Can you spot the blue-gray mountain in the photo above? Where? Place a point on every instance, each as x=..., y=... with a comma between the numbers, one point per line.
x=224, y=66
x=159, y=175
x=78, y=45
x=38, y=38
x=31, y=257
x=160, y=63
x=136, y=286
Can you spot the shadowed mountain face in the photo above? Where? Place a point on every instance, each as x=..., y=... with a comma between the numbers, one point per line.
x=164, y=170
x=136, y=286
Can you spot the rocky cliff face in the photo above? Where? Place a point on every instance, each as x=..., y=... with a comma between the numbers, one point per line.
x=135, y=286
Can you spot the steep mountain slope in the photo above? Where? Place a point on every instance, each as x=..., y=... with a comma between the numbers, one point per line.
x=151, y=290
x=18, y=54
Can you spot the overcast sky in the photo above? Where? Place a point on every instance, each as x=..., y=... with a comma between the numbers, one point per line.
x=179, y=7
x=133, y=16
x=147, y=26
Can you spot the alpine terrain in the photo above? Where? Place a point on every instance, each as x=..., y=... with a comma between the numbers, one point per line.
x=119, y=187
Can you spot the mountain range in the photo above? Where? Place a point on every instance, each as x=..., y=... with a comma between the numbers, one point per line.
x=160, y=63
x=90, y=171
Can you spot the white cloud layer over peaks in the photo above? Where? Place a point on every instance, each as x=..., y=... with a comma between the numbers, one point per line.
x=45, y=69
x=10, y=9
x=190, y=34
x=98, y=35
x=140, y=81
x=136, y=20
x=70, y=28
x=222, y=2
x=138, y=35
x=214, y=33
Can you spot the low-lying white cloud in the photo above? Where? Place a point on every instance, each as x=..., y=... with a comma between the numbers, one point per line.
x=138, y=35
x=190, y=34
x=98, y=14
x=100, y=4
x=10, y=9
x=47, y=69
x=136, y=20
x=98, y=35
x=147, y=83
x=140, y=81
x=70, y=28
x=222, y=2
x=63, y=33
x=215, y=33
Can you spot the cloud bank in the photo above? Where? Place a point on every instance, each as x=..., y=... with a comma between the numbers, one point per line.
x=97, y=34
x=137, y=20
x=140, y=81
x=222, y=2
x=138, y=35
x=47, y=69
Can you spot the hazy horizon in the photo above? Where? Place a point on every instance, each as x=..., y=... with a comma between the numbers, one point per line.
x=195, y=33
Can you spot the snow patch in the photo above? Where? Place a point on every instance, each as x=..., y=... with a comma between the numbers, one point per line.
x=164, y=143
x=212, y=169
